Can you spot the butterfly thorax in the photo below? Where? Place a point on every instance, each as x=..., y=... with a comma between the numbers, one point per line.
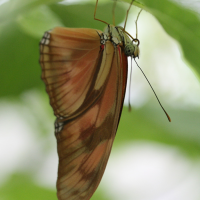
x=118, y=36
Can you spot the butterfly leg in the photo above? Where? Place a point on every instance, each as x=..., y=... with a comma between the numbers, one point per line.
x=127, y=13
x=95, y=10
x=113, y=11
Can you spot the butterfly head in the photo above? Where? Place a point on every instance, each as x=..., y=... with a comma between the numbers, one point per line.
x=131, y=48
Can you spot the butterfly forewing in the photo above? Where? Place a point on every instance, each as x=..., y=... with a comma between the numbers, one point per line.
x=68, y=57
x=86, y=82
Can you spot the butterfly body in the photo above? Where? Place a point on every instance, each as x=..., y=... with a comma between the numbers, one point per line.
x=85, y=73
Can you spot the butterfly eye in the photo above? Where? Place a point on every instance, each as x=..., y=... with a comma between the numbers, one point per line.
x=129, y=50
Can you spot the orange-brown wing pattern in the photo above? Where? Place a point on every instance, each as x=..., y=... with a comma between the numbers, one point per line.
x=86, y=83
x=68, y=57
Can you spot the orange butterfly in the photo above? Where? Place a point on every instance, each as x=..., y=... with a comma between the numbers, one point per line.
x=85, y=72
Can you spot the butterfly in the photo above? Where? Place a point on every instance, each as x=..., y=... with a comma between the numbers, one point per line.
x=85, y=73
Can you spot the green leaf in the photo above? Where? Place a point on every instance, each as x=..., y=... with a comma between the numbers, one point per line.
x=82, y=15
x=39, y=20
x=20, y=186
x=10, y=10
x=19, y=55
x=181, y=23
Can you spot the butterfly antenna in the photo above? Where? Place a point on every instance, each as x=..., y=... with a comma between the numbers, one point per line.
x=113, y=11
x=136, y=23
x=154, y=92
x=95, y=10
x=127, y=13
x=129, y=95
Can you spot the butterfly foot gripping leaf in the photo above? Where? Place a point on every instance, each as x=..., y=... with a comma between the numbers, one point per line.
x=85, y=73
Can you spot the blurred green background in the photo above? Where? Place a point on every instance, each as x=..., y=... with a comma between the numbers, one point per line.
x=152, y=159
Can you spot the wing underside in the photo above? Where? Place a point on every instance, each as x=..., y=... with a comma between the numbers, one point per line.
x=86, y=93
